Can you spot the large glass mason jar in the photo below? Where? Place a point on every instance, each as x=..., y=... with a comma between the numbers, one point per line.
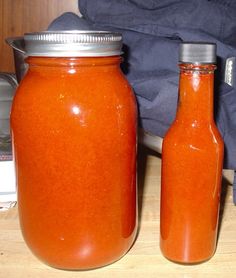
x=73, y=126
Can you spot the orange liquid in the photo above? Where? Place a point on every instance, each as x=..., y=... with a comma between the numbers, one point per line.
x=74, y=135
x=191, y=172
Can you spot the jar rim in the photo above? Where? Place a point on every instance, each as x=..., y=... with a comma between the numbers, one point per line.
x=73, y=43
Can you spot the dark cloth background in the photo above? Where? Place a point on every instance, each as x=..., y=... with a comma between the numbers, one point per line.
x=152, y=31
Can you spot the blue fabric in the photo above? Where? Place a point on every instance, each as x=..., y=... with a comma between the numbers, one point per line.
x=152, y=31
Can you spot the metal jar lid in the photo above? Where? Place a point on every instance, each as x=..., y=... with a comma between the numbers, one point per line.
x=197, y=52
x=73, y=43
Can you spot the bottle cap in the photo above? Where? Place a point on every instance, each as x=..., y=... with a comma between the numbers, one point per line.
x=197, y=52
x=73, y=43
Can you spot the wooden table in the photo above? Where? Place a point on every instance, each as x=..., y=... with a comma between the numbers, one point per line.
x=144, y=260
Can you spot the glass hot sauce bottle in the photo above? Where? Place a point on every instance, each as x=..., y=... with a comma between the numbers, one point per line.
x=192, y=163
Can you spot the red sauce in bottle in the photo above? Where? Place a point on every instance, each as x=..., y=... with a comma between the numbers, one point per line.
x=191, y=171
x=74, y=135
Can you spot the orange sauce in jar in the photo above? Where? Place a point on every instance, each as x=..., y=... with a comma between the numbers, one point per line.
x=191, y=171
x=74, y=135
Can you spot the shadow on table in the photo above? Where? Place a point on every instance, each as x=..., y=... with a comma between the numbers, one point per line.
x=143, y=153
x=224, y=190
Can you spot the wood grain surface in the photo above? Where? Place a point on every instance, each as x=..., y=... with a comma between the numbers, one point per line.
x=144, y=260
x=21, y=16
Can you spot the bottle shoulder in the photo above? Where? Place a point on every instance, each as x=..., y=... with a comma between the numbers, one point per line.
x=201, y=135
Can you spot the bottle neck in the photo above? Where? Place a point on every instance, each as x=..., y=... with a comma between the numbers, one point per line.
x=196, y=93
